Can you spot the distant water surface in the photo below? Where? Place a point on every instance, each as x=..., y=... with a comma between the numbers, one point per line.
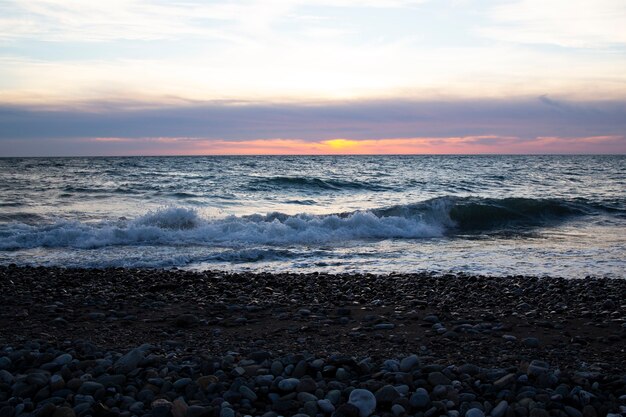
x=496, y=215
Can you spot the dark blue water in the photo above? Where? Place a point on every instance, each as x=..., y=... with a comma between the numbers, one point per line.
x=498, y=215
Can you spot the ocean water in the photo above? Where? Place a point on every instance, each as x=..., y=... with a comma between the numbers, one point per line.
x=496, y=215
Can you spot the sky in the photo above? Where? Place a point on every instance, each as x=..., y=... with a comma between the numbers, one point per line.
x=156, y=77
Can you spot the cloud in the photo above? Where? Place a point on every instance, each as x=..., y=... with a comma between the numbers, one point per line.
x=371, y=126
x=566, y=23
x=96, y=21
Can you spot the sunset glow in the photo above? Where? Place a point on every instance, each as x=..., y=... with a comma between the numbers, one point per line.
x=334, y=77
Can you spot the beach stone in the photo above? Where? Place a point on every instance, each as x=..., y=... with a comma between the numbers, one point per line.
x=474, y=412
x=326, y=406
x=136, y=408
x=129, y=362
x=384, y=326
x=397, y=410
x=277, y=368
x=5, y=363
x=347, y=410
x=227, y=412
x=64, y=412
x=6, y=377
x=531, y=342
x=500, y=409
x=407, y=364
x=437, y=378
x=110, y=380
x=161, y=408
x=247, y=393
x=186, y=320
x=63, y=359
x=305, y=397
x=364, y=401
x=572, y=412
x=386, y=394
x=334, y=396
x=505, y=381
x=420, y=398
x=181, y=383
x=288, y=384
x=197, y=411
x=7, y=411
x=306, y=385
x=537, y=368
x=46, y=411
x=179, y=408
x=56, y=382
x=539, y=412
x=90, y=387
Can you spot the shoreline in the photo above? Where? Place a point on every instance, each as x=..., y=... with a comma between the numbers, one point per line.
x=506, y=333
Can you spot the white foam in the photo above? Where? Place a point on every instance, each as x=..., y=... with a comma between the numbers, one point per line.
x=180, y=226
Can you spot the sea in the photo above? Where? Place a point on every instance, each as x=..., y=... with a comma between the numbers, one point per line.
x=561, y=216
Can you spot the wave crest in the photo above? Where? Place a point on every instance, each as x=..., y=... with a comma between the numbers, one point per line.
x=178, y=226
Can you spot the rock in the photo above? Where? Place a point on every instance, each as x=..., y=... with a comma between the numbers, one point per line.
x=384, y=326
x=537, y=368
x=608, y=305
x=409, y=363
x=247, y=393
x=386, y=394
x=186, y=320
x=227, y=412
x=307, y=385
x=474, y=412
x=420, y=399
x=288, y=384
x=326, y=406
x=63, y=359
x=161, y=408
x=6, y=377
x=539, y=412
x=347, y=410
x=56, y=382
x=437, y=378
x=5, y=363
x=90, y=387
x=500, y=409
x=277, y=368
x=128, y=362
x=179, y=408
x=531, y=342
x=572, y=412
x=181, y=383
x=364, y=401
x=197, y=411
x=64, y=412
x=7, y=411
x=505, y=381
x=46, y=411
x=397, y=410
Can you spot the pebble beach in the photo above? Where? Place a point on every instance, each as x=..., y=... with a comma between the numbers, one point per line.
x=173, y=343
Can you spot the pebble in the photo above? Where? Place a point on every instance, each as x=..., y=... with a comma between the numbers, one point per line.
x=531, y=342
x=437, y=378
x=128, y=362
x=364, y=401
x=420, y=398
x=500, y=409
x=409, y=363
x=288, y=384
x=474, y=412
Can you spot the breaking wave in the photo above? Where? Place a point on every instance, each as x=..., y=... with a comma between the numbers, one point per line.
x=175, y=226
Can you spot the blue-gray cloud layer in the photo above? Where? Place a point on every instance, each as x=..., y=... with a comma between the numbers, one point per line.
x=523, y=118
